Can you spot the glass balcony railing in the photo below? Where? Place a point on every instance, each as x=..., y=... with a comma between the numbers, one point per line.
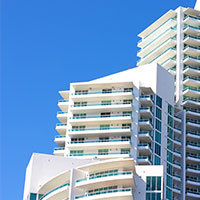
x=157, y=29
x=173, y=58
x=193, y=155
x=176, y=175
x=150, y=133
x=100, y=129
x=190, y=88
x=60, y=112
x=102, y=104
x=193, y=167
x=197, y=133
x=193, y=192
x=61, y=124
x=192, y=47
x=61, y=186
x=193, y=180
x=193, y=121
x=190, y=67
x=60, y=136
x=146, y=109
x=176, y=151
x=186, y=98
x=178, y=129
x=144, y=158
x=193, y=110
x=104, y=192
x=193, y=17
x=109, y=92
x=59, y=148
x=192, y=37
x=192, y=78
x=176, y=164
x=103, y=176
x=193, y=144
x=100, y=116
x=178, y=140
x=189, y=26
x=97, y=141
x=146, y=121
x=63, y=100
x=100, y=154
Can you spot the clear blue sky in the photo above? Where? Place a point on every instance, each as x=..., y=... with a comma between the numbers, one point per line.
x=48, y=44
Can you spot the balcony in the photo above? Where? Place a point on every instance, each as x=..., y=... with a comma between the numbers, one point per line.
x=192, y=20
x=169, y=63
x=62, y=116
x=177, y=130
x=191, y=81
x=192, y=41
x=193, y=169
x=191, y=71
x=193, y=134
x=57, y=192
x=59, y=151
x=105, y=179
x=145, y=124
x=100, y=131
x=192, y=112
x=193, y=157
x=177, y=153
x=177, y=141
x=61, y=128
x=63, y=105
x=146, y=112
x=145, y=136
x=193, y=123
x=104, y=106
x=101, y=156
x=60, y=140
x=191, y=91
x=144, y=149
x=191, y=101
x=146, y=101
x=176, y=189
x=96, y=95
x=176, y=177
x=193, y=146
x=191, y=30
x=193, y=181
x=144, y=160
x=176, y=165
x=102, y=118
x=123, y=143
x=191, y=50
x=193, y=194
x=117, y=194
x=172, y=70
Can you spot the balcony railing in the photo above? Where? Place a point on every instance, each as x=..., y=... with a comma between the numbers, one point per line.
x=196, y=167
x=59, y=148
x=60, y=136
x=100, y=154
x=193, y=156
x=104, y=175
x=63, y=100
x=193, y=144
x=108, y=92
x=97, y=141
x=61, y=124
x=100, y=116
x=190, y=67
x=193, y=121
x=190, y=88
x=193, y=180
x=104, y=192
x=193, y=192
x=191, y=99
x=193, y=110
x=197, y=133
x=100, y=129
x=191, y=77
x=60, y=112
x=102, y=104
x=61, y=186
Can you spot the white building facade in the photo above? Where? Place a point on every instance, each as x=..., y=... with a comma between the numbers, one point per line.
x=133, y=135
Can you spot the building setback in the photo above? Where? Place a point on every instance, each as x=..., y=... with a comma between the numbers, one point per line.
x=133, y=135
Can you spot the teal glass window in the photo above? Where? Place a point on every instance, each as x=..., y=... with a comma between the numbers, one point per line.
x=158, y=113
x=156, y=160
x=153, y=183
x=169, y=156
x=157, y=149
x=170, y=121
x=158, y=101
x=169, y=181
x=148, y=184
x=170, y=133
x=148, y=196
x=169, y=194
x=169, y=169
x=158, y=137
x=158, y=125
x=158, y=183
x=33, y=196
x=170, y=110
x=169, y=144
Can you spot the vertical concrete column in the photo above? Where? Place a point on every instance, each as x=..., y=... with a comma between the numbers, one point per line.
x=179, y=56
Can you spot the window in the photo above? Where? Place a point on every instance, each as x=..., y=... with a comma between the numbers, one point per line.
x=169, y=181
x=153, y=196
x=107, y=114
x=169, y=144
x=33, y=196
x=78, y=116
x=127, y=101
x=106, y=102
x=78, y=128
x=170, y=110
x=156, y=160
x=158, y=101
x=158, y=125
x=169, y=157
x=104, y=91
x=103, y=152
x=157, y=149
x=104, y=139
x=125, y=151
x=124, y=126
x=158, y=137
x=128, y=89
x=169, y=194
x=126, y=138
x=79, y=104
x=77, y=140
x=169, y=169
x=104, y=126
x=153, y=183
x=170, y=121
x=158, y=113
x=81, y=92
x=170, y=133
x=127, y=113
x=76, y=152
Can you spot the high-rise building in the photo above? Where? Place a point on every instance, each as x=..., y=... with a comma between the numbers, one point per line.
x=173, y=41
x=133, y=134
